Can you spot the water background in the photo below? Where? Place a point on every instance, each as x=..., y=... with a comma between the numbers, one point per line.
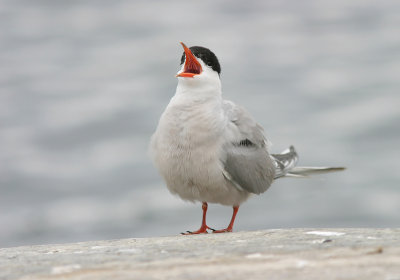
x=83, y=83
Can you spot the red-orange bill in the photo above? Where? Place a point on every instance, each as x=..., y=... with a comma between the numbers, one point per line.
x=192, y=66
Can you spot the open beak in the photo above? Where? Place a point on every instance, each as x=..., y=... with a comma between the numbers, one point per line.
x=192, y=65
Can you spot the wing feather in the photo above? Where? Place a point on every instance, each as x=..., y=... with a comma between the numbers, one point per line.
x=247, y=163
x=285, y=161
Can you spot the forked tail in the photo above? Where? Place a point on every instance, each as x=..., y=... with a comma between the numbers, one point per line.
x=285, y=166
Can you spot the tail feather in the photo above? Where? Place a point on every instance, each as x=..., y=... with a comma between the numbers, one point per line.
x=307, y=171
x=295, y=175
x=285, y=166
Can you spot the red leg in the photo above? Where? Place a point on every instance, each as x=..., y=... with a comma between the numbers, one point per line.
x=204, y=227
x=230, y=226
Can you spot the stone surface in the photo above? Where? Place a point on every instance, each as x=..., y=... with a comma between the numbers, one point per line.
x=269, y=254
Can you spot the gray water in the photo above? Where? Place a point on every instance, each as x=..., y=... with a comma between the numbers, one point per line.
x=83, y=84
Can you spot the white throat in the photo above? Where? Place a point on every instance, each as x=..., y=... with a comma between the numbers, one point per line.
x=205, y=85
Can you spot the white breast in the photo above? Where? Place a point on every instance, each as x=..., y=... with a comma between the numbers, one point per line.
x=186, y=148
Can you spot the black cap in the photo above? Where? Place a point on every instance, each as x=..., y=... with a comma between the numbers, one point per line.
x=207, y=56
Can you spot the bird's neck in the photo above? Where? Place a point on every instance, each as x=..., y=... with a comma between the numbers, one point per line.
x=192, y=90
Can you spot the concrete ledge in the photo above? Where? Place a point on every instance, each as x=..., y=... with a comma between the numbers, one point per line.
x=269, y=254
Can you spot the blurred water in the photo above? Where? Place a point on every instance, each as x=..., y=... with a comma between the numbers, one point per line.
x=83, y=84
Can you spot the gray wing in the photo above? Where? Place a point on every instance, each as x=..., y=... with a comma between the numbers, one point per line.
x=247, y=163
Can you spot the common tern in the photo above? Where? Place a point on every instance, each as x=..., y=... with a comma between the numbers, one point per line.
x=211, y=150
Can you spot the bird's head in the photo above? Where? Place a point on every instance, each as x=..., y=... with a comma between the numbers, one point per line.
x=199, y=65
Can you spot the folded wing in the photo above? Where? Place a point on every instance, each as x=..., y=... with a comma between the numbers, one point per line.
x=246, y=161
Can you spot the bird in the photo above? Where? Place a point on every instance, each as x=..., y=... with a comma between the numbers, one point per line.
x=210, y=150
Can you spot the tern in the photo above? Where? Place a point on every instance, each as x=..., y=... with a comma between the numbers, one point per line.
x=211, y=150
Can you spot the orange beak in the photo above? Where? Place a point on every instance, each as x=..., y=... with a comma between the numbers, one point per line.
x=192, y=65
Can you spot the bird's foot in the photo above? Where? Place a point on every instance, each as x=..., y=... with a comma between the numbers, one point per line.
x=222, y=230
x=203, y=229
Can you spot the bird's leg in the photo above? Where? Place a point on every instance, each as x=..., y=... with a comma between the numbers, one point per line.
x=230, y=226
x=204, y=227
